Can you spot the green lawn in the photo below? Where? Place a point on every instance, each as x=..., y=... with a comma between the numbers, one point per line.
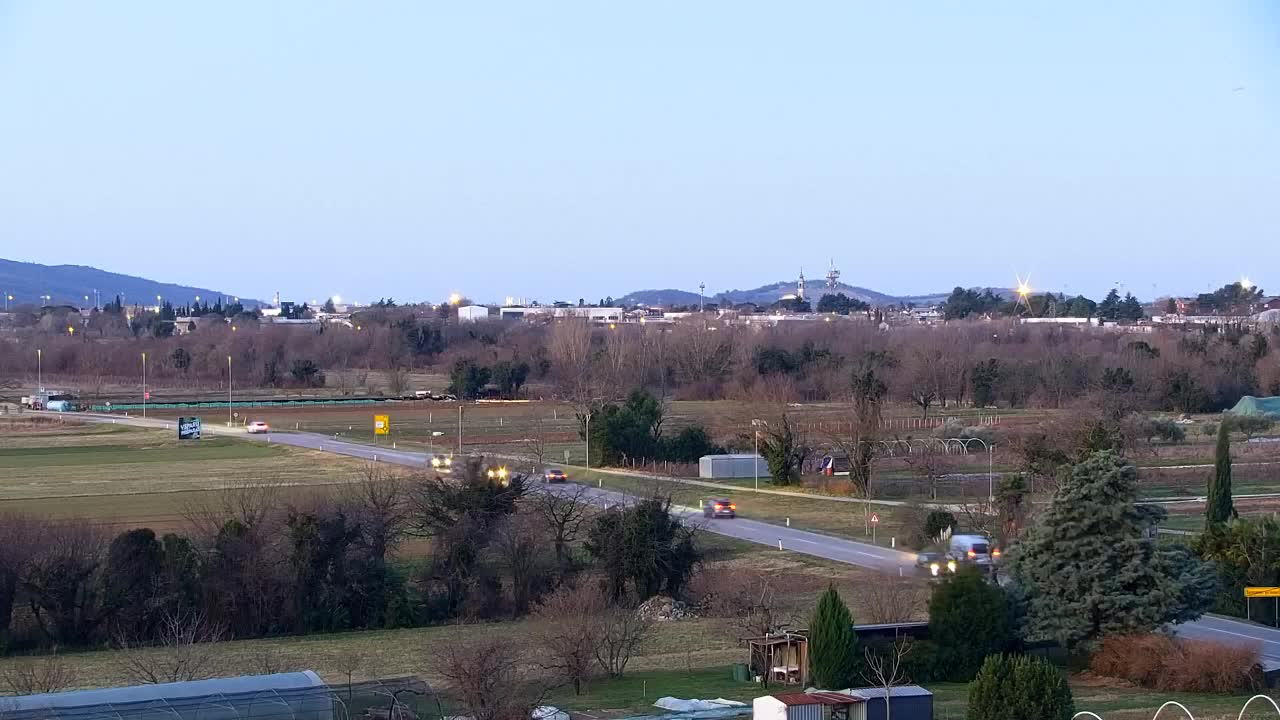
x=197, y=451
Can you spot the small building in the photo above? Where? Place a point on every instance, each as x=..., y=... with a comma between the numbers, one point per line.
x=732, y=466
x=908, y=702
x=473, y=313
x=779, y=657
x=809, y=706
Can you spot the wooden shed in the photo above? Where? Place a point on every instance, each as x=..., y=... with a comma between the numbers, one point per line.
x=779, y=657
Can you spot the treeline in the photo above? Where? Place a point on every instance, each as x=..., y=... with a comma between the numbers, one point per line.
x=252, y=565
x=961, y=363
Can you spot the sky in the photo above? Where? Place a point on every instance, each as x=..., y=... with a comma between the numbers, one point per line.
x=557, y=150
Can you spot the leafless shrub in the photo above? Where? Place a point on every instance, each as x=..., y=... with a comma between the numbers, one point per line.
x=569, y=636
x=562, y=512
x=268, y=660
x=34, y=676
x=184, y=650
x=490, y=680
x=886, y=668
x=891, y=600
x=624, y=632
x=746, y=599
x=1169, y=663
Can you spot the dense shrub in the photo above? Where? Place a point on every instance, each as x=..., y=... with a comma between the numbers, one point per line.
x=969, y=619
x=936, y=522
x=1013, y=687
x=1174, y=664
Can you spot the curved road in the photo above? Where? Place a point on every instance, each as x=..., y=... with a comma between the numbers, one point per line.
x=1223, y=630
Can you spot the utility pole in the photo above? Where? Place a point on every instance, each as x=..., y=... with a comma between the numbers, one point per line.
x=144, y=385
x=230, y=422
x=40, y=369
x=459, y=430
x=702, y=288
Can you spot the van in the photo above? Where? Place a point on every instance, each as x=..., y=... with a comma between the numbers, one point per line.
x=973, y=549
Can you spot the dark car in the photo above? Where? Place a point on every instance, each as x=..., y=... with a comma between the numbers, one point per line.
x=719, y=508
x=934, y=564
x=554, y=475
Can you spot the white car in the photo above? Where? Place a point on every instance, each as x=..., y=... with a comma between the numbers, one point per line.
x=257, y=426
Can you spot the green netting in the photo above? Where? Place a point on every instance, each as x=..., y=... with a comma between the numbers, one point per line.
x=1249, y=405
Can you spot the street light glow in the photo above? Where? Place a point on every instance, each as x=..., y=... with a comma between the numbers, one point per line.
x=455, y=298
x=337, y=299
x=1246, y=283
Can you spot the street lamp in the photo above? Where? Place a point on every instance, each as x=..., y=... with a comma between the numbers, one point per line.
x=144, y=385
x=756, y=424
x=40, y=369
x=230, y=422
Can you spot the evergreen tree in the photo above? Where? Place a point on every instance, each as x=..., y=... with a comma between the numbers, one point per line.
x=1012, y=687
x=1109, y=308
x=969, y=619
x=1091, y=566
x=1218, y=507
x=833, y=659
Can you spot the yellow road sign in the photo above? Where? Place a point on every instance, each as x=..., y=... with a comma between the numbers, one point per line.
x=1252, y=592
x=381, y=424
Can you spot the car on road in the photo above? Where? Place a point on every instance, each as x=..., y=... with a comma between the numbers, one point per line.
x=973, y=550
x=554, y=475
x=442, y=463
x=719, y=508
x=935, y=564
x=257, y=426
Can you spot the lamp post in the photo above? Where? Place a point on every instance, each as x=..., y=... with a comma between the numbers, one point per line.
x=459, y=430
x=40, y=369
x=755, y=459
x=230, y=422
x=144, y=385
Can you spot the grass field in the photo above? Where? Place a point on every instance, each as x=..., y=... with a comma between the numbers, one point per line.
x=119, y=476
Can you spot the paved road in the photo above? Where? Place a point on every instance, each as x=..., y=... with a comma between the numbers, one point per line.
x=795, y=540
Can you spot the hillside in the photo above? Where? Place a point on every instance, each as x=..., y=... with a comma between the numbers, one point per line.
x=768, y=294
x=69, y=284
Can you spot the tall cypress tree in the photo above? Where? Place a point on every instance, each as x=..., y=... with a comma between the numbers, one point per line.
x=1218, y=507
x=832, y=643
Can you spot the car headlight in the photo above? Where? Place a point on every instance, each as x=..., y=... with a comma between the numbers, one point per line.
x=951, y=565
x=933, y=568
x=435, y=462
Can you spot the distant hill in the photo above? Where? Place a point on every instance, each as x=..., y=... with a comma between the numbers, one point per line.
x=69, y=284
x=769, y=294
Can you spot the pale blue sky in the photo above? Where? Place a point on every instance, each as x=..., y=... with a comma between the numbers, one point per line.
x=565, y=149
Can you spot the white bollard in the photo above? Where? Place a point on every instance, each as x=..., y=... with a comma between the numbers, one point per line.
x=893, y=542
x=899, y=572
x=788, y=522
x=779, y=543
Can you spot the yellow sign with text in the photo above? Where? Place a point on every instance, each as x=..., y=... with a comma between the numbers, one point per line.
x=1271, y=592
x=381, y=424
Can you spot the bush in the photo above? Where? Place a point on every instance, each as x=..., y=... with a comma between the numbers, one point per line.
x=936, y=522
x=1173, y=664
x=969, y=619
x=1010, y=687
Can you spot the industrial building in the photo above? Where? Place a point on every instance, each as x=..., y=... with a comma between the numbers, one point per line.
x=743, y=465
x=473, y=313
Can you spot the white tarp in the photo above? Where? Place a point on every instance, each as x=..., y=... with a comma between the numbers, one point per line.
x=678, y=705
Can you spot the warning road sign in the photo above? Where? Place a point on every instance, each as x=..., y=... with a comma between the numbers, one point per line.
x=875, y=518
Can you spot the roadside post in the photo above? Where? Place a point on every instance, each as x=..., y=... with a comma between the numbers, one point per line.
x=875, y=520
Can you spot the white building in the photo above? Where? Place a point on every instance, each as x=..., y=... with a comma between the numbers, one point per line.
x=473, y=313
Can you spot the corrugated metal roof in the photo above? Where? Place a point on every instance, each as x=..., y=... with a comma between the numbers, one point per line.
x=817, y=698
x=900, y=691
x=136, y=695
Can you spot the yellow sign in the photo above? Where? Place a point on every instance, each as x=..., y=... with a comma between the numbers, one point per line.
x=1252, y=592
x=381, y=424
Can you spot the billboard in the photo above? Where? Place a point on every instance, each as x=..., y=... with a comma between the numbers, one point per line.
x=188, y=428
x=381, y=424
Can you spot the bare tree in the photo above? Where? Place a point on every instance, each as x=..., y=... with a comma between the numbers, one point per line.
x=892, y=600
x=268, y=660
x=184, y=650
x=490, y=680
x=624, y=632
x=569, y=636
x=562, y=512
x=397, y=381
x=885, y=670
x=349, y=662
x=536, y=444
x=747, y=599
x=931, y=464
x=38, y=675
x=518, y=547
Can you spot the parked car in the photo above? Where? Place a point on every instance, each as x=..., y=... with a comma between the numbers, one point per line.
x=554, y=475
x=719, y=508
x=257, y=426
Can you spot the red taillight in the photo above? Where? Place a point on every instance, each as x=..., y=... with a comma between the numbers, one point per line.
x=995, y=553
x=732, y=506
x=719, y=506
x=973, y=554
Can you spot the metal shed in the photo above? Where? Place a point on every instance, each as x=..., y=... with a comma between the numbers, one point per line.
x=743, y=465
x=909, y=702
x=809, y=706
x=282, y=696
